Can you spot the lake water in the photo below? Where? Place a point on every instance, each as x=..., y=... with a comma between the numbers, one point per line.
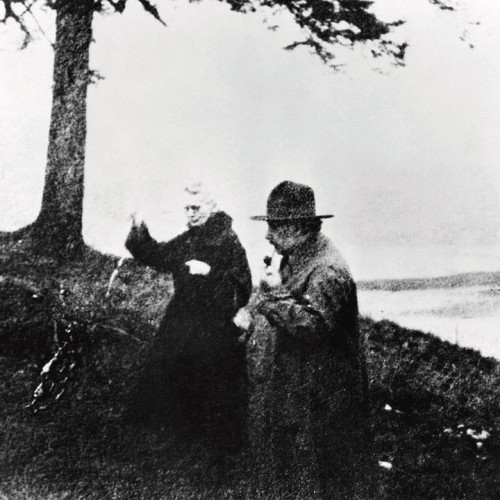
x=467, y=316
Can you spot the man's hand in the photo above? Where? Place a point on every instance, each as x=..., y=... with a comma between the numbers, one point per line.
x=242, y=319
x=270, y=278
x=198, y=267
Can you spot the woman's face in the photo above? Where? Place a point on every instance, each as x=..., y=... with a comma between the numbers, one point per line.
x=197, y=209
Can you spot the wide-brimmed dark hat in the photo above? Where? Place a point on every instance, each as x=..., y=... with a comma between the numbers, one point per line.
x=290, y=201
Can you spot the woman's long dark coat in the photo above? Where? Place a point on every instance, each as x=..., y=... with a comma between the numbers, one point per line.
x=194, y=380
x=308, y=380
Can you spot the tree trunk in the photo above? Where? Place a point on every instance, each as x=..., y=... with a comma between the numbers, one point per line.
x=58, y=227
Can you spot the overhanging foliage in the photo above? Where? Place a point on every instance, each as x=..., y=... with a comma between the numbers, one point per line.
x=326, y=25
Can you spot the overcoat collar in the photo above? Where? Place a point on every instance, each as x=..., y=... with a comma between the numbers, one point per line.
x=308, y=252
x=216, y=226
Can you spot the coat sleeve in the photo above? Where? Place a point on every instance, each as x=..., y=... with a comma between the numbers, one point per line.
x=232, y=278
x=161, y=256
x=316, y=314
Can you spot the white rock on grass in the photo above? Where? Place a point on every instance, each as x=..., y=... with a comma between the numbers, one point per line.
x=478, y=436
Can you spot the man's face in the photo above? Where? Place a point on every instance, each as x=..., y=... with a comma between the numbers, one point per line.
x=283, y=236
x=197, y=209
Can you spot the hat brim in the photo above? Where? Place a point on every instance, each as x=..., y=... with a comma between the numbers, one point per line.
x=284, y=219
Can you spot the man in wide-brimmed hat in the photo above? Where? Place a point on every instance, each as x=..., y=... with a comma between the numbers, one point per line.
x=308, y=376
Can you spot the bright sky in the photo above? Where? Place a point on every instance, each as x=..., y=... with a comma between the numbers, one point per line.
x=407, y=159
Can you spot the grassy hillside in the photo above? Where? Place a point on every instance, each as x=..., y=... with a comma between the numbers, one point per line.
x=430, y=402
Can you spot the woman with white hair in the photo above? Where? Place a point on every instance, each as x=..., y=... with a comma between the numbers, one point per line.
x=194, y=381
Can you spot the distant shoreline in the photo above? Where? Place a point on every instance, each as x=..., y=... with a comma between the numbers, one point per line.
x=453, y=281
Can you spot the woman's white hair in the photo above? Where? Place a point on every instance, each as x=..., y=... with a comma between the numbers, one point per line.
x=199, y=189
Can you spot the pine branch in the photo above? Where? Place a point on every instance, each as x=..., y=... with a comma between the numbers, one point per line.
x=9, y=13
x=149, y=7
x=444, y=4
x=42, y=31
x=328, y=25
x=118, y=5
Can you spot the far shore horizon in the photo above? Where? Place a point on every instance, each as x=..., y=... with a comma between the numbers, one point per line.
x=479, y=278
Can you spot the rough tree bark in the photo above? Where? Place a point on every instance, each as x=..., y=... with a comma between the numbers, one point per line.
x=58, y=227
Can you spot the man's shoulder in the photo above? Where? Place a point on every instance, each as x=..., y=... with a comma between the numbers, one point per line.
x=330, y=261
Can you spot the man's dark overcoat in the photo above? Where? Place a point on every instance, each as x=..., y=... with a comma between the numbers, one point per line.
x=195, y=377
x=308, y=379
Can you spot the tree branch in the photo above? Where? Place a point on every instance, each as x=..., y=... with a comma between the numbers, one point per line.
x=42, y=31
x=330, y=24
x=11, y=14
x=444, y=4
x=118, y=5
x=149, y=7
